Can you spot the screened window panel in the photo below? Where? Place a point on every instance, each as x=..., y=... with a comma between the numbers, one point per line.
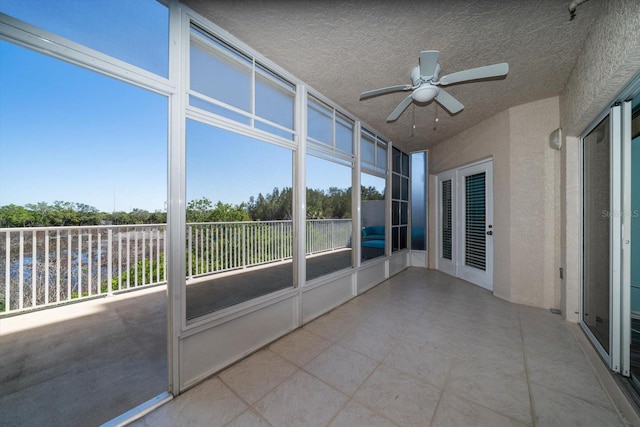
x=139, y=37
x=395, y=213
x=367, y=150
x=404, y=189
x=402, y=238
x=381, y=157
x=319, y=122
x=238, y=214
x=400, y=199
x=220, y=76
x=344, y=134
x=372, y=216
x=405, y=164
x=475, y=221
x=404, y=214
x=395, y=187
x=397, y=161
x=328, y=225
x=274, y=98
x=395, y=239
x=447, y=216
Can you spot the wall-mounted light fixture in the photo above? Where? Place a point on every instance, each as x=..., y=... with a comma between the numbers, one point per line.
x=555, y=139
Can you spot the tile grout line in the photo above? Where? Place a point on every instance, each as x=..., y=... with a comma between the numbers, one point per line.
x=526, y=372
x=353, y=397
x=588, y=358
x=303, y=369
x=249, y=405
x=444, y=385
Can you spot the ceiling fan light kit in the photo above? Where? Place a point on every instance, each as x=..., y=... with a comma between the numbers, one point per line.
x=426, y=81
x=425, y=93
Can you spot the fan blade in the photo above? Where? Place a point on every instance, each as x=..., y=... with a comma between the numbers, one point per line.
x=384, y=90
x=495, y=70
x=428, y=62
x=399, y=109
x=448, y=102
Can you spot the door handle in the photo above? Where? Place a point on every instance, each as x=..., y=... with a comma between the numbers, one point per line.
x=489, y=233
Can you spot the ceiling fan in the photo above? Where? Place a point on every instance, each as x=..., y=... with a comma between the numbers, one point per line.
x=426, y=81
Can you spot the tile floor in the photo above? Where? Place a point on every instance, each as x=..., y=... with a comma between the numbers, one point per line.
x=421, y=349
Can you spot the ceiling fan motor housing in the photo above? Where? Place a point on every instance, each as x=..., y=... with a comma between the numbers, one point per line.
x=415, y=76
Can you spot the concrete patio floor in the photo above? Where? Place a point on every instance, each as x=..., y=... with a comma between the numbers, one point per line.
x=83, y=364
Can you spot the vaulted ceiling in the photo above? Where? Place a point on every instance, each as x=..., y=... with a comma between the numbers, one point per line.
x=344, y=48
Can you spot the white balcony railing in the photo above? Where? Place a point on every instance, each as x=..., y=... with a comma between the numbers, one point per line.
x=45, y=266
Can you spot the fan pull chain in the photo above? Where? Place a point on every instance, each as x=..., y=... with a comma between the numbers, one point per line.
x=413, y=127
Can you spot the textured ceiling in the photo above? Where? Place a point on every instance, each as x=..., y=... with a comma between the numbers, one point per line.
x=343, y=48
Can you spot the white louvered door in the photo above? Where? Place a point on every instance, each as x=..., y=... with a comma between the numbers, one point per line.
x=465, y=223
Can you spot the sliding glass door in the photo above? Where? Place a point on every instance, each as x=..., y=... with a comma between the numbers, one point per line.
x=631, y=243
x=610, y=292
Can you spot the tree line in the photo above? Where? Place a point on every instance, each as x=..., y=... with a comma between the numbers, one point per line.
x=61, y=213
x=277, y=205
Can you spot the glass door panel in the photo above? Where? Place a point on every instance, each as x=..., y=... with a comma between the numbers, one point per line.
x=596, y=233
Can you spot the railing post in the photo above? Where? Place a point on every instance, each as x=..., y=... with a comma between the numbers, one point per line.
x=244, y=245
x=119, y=259
x=21, y=272
x=110, y=262
x=135, y=258
x=164, y=252
x=58, y=262
x=69, y=261
x=46, y=267
x=99, y=262
x=89, y=263
x=79, y=264
x=128, y=259
x=158, y=255
x=144, y=254
x=34, y=267
x=7, y=278
x=190, y=242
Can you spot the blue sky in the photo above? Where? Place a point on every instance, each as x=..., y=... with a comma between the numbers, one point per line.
x=74, y=135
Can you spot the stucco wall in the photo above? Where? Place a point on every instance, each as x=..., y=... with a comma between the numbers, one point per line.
x=610, y=58
x=526, y=198
x=535, y=256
